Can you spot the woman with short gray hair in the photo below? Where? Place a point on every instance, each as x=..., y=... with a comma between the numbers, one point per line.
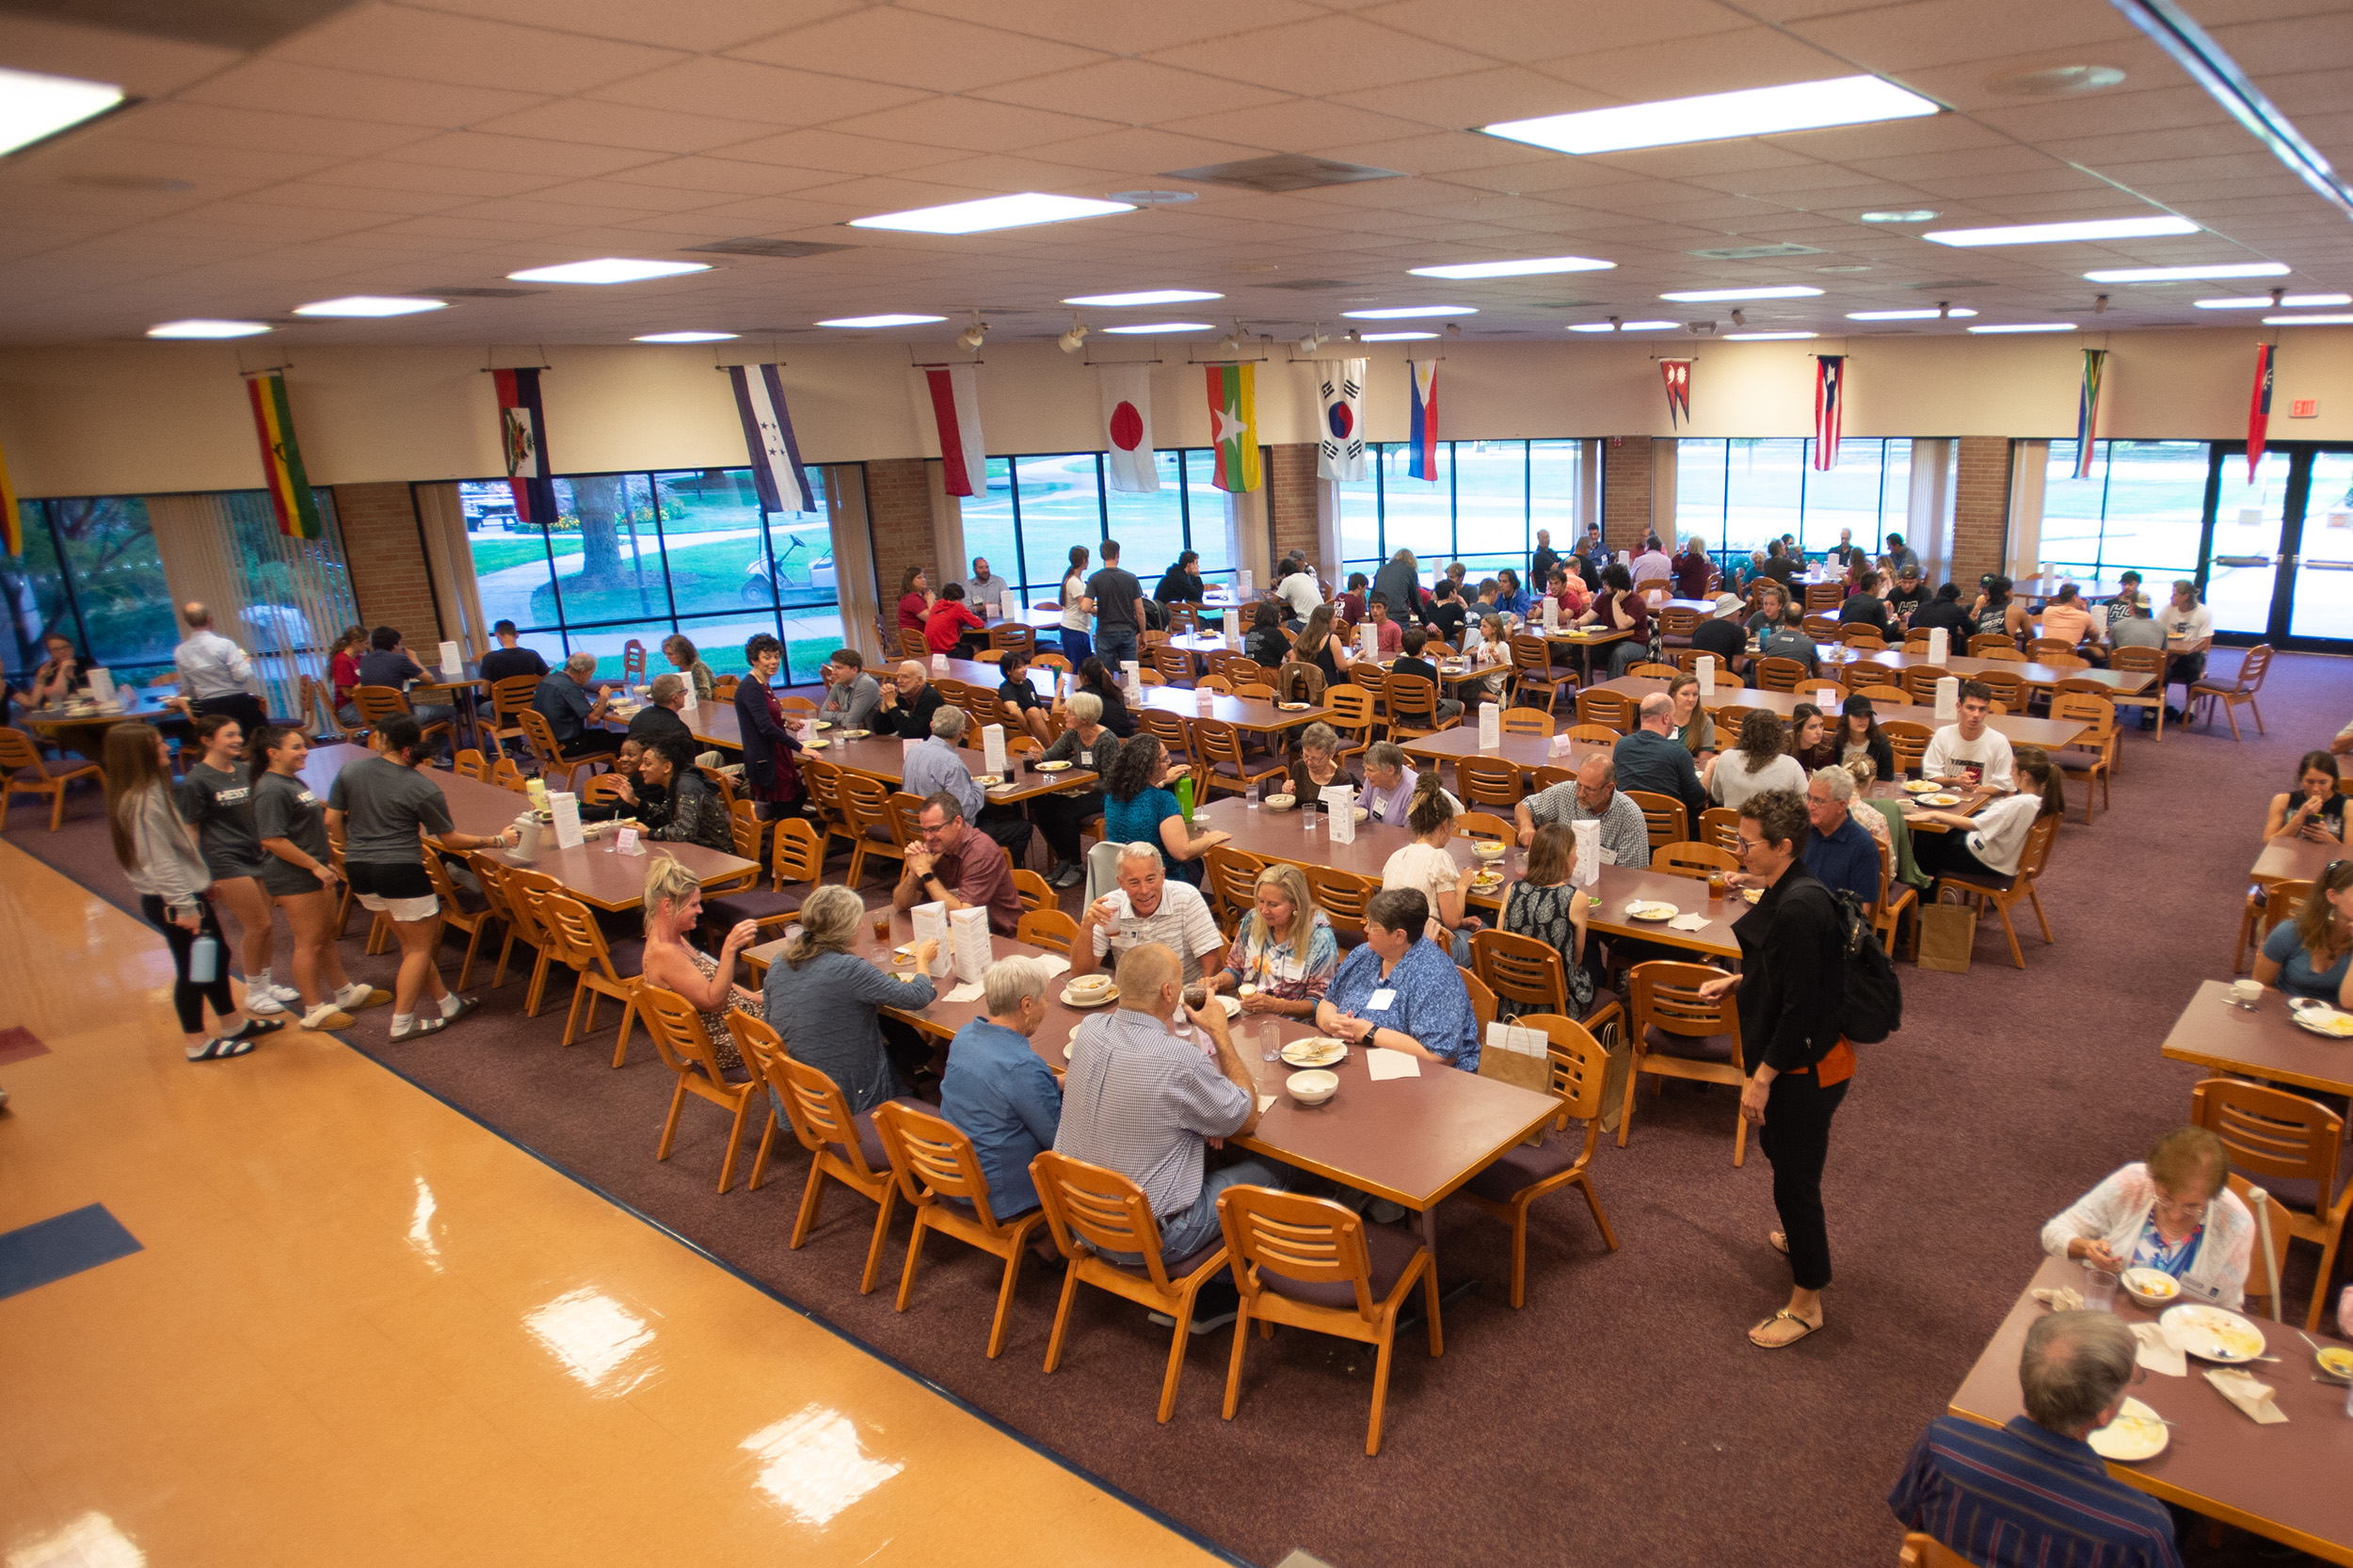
x=1319, y=765
x=823, y=999
x=1084, y=742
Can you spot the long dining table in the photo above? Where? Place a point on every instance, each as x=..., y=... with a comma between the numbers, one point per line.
x=2050, y=734
x=2123, y=682
x=2262, y=1042
x=2294, y=860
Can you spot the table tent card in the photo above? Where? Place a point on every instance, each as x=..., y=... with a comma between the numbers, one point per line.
x=453, y=662
x=1552, y=614
x=993, y=749
x=564, y=810
x=1940, y=644
x=1704, y=668
x=931, y=925
x=1242, y=586
x=1588, y=869
x=1827, y=699
x=1010, y=606
x=101, y=685
x=939, y=663
x=1339, y=803
x=1948, y=698
x=1490, y=726
x=970, y=947
x=1368, y=638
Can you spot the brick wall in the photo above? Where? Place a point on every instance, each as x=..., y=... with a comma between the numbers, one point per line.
x=899, y=515
x=1981, y=506
x=1291, y=500
x=1625, y=491
x=387, y=556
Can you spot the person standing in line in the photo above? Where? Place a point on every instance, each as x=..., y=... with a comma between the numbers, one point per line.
x=1076, y=645
x=1118, y=609
x=1791, y=988
x=216, y=798
x=215, y=676
x=154, y=848
x=385, y=805
x=300, y=876
x=1545, y=560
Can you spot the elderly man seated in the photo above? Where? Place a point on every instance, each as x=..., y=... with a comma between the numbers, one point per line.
x=1652, y=759
x=906, y=705
x=937, y=766
x=1840, y=852
x=2033, y=1492
x=666, y=699
x=1146, y=907
x=1593, y=796
x=999, y=1092
x=958, y=866
x=571, y=713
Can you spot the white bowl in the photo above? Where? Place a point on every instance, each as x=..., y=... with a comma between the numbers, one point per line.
x=1279, y=803
x=1090, y=986
x=2150, y=1287
x=1313, y=1086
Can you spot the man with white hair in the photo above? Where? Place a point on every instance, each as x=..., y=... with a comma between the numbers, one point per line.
x=1147, y=908
x=1652, y=759
x=1840, y=853
x=996, y=1091
x=906, y=705
x=572, y=715
x=664, y=700
x=215, y=676
x=937, y=766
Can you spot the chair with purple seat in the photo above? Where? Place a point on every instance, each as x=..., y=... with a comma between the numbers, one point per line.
x=2292, y=1147
x=848, y=1148
x=1676, y=1034
x=602, y=966
x=799, y=856
x=686, y=1049
x=939, y=1172
x=1509, y=1187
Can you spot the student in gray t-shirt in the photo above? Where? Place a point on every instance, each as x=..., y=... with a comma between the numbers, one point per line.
x=1116, y=593
x=216, y=798
x=292, y=822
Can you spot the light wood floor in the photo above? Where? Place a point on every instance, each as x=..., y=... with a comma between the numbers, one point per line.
x=364, y=1330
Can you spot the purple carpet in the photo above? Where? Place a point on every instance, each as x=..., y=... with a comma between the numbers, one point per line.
x=1621, y=1415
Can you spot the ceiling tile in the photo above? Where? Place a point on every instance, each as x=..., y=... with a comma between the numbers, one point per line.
x=1124, y=27
x=698, y=25
x=887, y=44
x=377, y=173
x=1753, y=57
x=1478, y=97
x=518, y=155
x=289, y=88
x=437, y=226
x=1142, y=152
x=1897, y=38
x=354, y=199
x=830, y=149
x=1299, y=125
x=679, y=182
x=1133, y=93
x=209, y=125
x=2305, y=43
x=970, y=122
x=747, y=89
x=598, y=124
x=1541, y=29
x=430, y=47
x=1330, y=53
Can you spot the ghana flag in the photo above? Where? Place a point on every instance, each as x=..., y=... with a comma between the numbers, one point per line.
x=11, y=527
x=281, y=460
x=1233, y=425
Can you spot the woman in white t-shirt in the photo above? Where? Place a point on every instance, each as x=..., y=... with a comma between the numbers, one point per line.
x=1760, y=762
x=1991, y=844
x=1076, y=645
x=1428, y=867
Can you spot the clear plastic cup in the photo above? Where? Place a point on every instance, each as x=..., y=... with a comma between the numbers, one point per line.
x=2098, y=1290
x=1270, y=1040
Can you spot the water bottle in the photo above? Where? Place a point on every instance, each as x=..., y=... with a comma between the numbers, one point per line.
x=204, y=960
x=1184, y=799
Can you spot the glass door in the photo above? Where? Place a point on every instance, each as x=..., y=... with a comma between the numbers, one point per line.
x=2279, y=547
x=2246, y=558
x=2320, y=605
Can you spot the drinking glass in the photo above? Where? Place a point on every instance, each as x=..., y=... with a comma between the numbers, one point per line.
x=1250, y=794
x=1307, y=817
x=1271, y=1045
x=2098, y=1290
x=1717, y=887
x=882, y=926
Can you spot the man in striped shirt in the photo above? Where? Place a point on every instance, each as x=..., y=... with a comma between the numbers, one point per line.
x=2032, y=1494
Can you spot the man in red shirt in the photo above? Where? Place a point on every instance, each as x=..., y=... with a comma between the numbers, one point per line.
x=946, y=626
x=958, y=866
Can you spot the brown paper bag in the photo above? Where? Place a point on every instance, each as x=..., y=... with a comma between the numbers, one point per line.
x=1948, y=932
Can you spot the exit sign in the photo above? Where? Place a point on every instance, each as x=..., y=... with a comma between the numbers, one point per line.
x=2304, y=407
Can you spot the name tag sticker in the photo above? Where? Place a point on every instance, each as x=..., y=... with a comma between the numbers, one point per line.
x=1608, y=857
x=1381, y=1001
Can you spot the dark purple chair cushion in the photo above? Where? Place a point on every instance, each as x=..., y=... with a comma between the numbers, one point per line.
x=1699, y=1048
x=1388, y=1249
x=1521, y=1167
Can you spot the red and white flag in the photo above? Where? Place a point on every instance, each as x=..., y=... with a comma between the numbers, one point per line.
x=1340, y=446
x=1829, y=407
x=1677, y=375
x=956, y=405
x=1128, y=427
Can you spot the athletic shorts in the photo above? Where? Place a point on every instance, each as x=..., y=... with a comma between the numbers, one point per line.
x=403, y=891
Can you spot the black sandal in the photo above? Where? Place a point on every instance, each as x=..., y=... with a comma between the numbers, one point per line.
x=221, y=1048
x=253, y=1029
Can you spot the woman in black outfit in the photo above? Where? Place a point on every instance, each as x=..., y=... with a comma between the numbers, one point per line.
x=1095, y=677
x=1314, y=646
x=771, y=775
x=1791, y=988
x=1266, y=644
x=1859, y=734
x=682, y=807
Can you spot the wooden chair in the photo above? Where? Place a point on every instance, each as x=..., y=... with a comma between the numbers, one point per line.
x=1533, y=670
x=1548, y=775
x=1291, y=1254
x=1668, y=821
x=2044, y=649
x=1173, y=730
x=633, y=662
x=603, y=790
x=2244, y=687
x=1675, y=626
x=462, y=908
x=316, y=702
x=1482, y=1000
x=2001, y=892
x=1214, y=683
x=1342, y=896
x=2009, y=689
x=601, y=970
x=1879, y=686
x=1982, y=644
x=1374, y=683
x=1779, y=674
x=1887, y=913
x=1920, y=682
x=1174, y=663
x=1229, y=770
x=1413, y=708
x=912, y=645
x=379, y=703
x=1048, y=928
x=873, y=829
x=1486, y=825
x=1720, y=825
x=1654, y=672
x=2292, y=1146
x=722, y=689
x=1510, y=1186
x=491, y=874
x=1676, y=1034
x=28, y=774
x=550, y=756
x=1593, y=734
x=1862, y=639
x=2142, y=661
x=527, y=893
x=796, y=864
x=1697, y=860
x=1008, y=635
x=1035, y=891
x=1254, y=691
x=469, y=763
x=846, y=1148
x=1917, y=642
x=1612, y=710
x=1927, y=1551
x=2267, y=907
x=1822, y=629
x=1231, y=881
x=1295, y=681
x=507, y=775
x=1051, y=660
x=1487, y=781
x=2095, y=758
x=686, y=1049
x=1090, y=1211
x=1527, y=721
x=934, y=1160
x=1352, y=713
x=1531, y=975
x=1909, y=741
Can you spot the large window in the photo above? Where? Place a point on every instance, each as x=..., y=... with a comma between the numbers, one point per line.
x=1739, y=494
x=1039, y=508
x=640, y=555
x=2143, y=506
x=1482, y=507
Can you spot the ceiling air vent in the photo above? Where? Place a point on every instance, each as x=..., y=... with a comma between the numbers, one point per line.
x=1757, y=252
x=1285, y=171
x=782, y=251
x=478, y=294
x=1306, y=285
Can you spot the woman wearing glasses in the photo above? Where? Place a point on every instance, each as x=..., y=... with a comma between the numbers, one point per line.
x=2173, y=1212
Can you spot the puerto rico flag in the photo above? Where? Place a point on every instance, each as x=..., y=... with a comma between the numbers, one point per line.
x=956, y=405
x=1422, y=446
x=2259, y=406
x=1677, y=375
x=1340, y=444
x=1830, y=403
x=776, y=454
x=1127, y=398
x=523, y=439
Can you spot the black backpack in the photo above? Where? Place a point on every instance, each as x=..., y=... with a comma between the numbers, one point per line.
x=1874, y=1004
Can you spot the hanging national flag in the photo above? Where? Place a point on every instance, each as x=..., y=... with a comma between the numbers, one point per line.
x=1829, y=401
x=1126, y=393
x=523, y=438
x=1340, y=448
x=777, y=471
x=1421, y=450
x=1234, y=425
x=1677, y=375
x=12, y=526
x=290, y=494
x=2259, y=406
x=956, y=405
x=2088, y=411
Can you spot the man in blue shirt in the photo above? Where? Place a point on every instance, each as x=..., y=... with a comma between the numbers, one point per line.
x=571, y=713
x=2032, y=1491
x=1653, y=760
x=1510, y=597
x=1839, y=853
x=996, y=1090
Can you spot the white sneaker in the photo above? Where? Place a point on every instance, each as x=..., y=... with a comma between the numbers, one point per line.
x=261, y=1006
x=286, y=994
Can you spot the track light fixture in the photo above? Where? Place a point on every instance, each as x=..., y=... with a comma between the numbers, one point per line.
x=1453, y=328
x=1740, y=318
x=2100, y=305
x=1074, y=340
x=974, y=335
x=1314, y=340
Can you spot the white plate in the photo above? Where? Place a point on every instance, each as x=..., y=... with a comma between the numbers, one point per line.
x=1315, y=1052
x=2321, y=1019
x=815, y=746
x=1919, y=787
x=2138, y=1433
x=988, y=781
x=1650, y=909
x=824, y=723
x=1052, y=767
x=1940, y=800
x=1294, y=707
x=1069, y=1000
x=853, y=735
x=2148, y=1285
x=2212, y=1333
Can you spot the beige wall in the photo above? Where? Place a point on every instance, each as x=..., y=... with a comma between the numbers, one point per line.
x=125, y=418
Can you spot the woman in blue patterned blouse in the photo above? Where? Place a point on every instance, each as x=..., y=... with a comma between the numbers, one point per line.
x=1401, y=990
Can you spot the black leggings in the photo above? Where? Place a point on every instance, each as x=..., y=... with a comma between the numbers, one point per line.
x=189, y=996
x=1795, y=1138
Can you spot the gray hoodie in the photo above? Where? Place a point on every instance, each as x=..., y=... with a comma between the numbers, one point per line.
x=168, y=865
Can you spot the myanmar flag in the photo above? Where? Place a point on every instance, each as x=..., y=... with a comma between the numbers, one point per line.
x=1234, y=425
x=290, y=494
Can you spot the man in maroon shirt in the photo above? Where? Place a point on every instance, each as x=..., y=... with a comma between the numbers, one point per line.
x=959, y=866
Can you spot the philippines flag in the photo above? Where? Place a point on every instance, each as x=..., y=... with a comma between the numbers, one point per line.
x=2259, y=406
x=1829, y=401
x=523, y=438
x=1422, y=448
x=776, y=469
x=956, y=405
x=1340, y=447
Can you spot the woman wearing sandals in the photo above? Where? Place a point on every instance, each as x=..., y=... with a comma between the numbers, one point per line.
x=154, y=849
x=300, y=877
x=216, y=798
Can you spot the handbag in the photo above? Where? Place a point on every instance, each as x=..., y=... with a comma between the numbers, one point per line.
x=1948, y=932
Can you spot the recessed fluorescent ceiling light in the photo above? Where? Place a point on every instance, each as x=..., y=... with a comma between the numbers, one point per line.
x=1917, y=214
x=1137, y=329
x=683, y=337
x=2264, y=301
x=33, y=107
x=2028, y=326
x=1717, y=116
x=2188, y=274
x=1409, y=313
x=208, y=329
x=1512, y=270
x=1623, y=325
x=994, y=212
x=1704, y=297
x=608, y=269
x=2308, y=321
x=1150, y=297
x=1393, y=337
x=369, y=305
x=2054, y=233
x=1765, y=337
x=880, y=321
x=1909, y=315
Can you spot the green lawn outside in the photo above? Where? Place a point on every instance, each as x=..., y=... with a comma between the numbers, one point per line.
x=804, y=655
x=497, y=554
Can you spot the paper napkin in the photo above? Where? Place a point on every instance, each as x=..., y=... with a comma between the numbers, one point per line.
x=2064, y=1298
x=1381, y=1061
x=2251, y=1394
x=2157, y=1352
x=1689, y=922
x=965, y=993
x=1055, y=964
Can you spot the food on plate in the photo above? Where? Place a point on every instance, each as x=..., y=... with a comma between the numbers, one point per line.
x=1649, y=909
x=1052, y=767
x=1921, y=787
x=1318, y=1050
x=2138, y=1433
x=2151, y=1285
x=2212, y=1334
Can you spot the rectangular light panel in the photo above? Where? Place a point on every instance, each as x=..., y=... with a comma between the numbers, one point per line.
x=2057, y=233
x=994, y=212
x=1720, y=115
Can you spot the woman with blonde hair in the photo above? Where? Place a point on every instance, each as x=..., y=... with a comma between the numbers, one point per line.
x=825, y=999
x=154, y=848
x=682, y=653
x=1284, y=953
x=674, y=902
